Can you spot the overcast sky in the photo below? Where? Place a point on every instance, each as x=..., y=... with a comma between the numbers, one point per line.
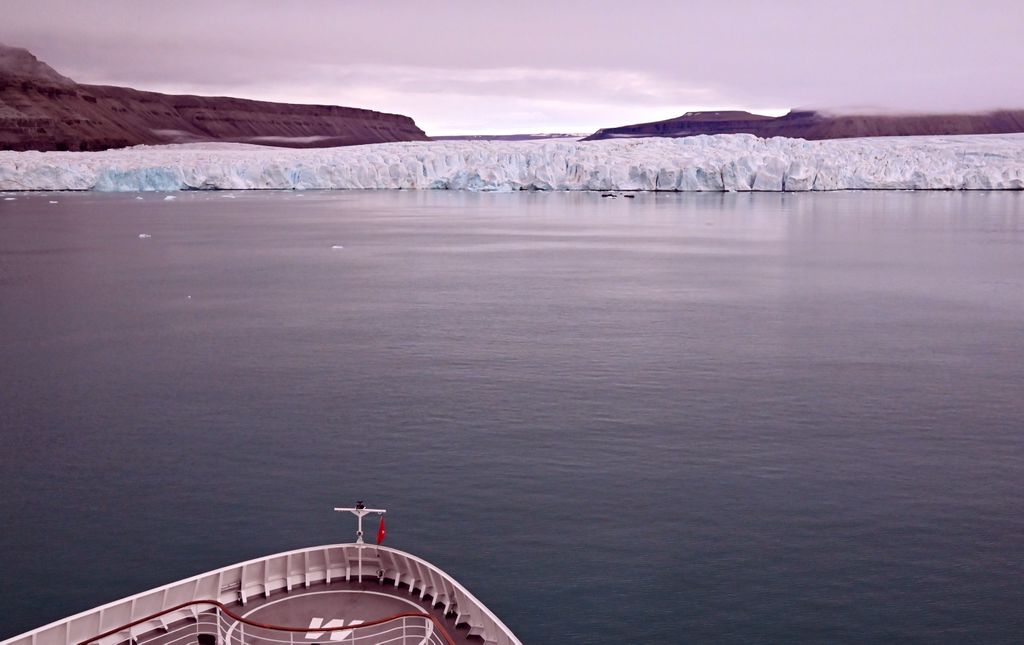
x=542, y=66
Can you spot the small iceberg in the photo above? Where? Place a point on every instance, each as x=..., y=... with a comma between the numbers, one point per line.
x=169, y=198
x=144, y=236
x=337, y=247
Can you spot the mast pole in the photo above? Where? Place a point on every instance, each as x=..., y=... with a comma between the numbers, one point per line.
x=359, y=511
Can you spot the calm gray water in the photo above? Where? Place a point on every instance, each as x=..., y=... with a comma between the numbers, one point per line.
x=728, y=418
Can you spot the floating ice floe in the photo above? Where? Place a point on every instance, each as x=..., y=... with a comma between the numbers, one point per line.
x=169, y=197
x=144, y=236
x=10, y=199
x=53, y=201
x=734, y=162
x=337, y=247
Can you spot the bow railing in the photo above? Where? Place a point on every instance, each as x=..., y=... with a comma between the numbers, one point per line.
x=222, y=626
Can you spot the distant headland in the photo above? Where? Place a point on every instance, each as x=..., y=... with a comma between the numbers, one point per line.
x=42, y=110
x=817, y=125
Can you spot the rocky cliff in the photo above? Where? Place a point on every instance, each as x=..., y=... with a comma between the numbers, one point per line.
x=813, y=125
x=42, y=110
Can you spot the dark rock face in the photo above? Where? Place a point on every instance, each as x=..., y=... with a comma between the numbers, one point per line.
x=42, y=110
x=816, y=125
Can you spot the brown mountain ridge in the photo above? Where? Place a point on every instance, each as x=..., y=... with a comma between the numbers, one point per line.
x=813, y=125
x=42, y=110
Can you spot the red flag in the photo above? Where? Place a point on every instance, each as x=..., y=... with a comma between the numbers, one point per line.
x=381, y=531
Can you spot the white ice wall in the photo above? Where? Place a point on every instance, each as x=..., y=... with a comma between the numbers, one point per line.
x=737, y=162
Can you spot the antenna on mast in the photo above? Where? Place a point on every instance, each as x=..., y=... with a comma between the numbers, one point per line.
x=359, y=511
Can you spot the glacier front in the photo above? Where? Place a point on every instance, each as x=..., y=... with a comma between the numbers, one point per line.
x=734, y=162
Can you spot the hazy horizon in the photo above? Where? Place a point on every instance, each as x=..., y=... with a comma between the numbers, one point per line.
x=574, y=67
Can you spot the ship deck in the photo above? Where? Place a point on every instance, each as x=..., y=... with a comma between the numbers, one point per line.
x=307, y=596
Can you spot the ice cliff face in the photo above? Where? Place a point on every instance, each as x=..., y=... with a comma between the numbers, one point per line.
x=704, y=163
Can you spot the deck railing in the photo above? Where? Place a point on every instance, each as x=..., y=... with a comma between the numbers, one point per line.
x=225, y=627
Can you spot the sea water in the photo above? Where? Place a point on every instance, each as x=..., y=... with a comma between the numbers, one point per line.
x=728, y=418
